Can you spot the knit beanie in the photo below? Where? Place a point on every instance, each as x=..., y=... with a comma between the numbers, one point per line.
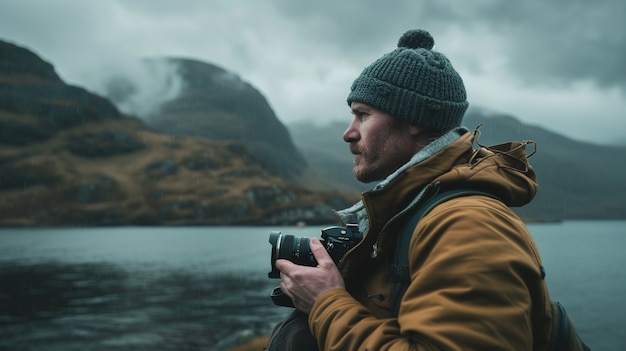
x=414, y=83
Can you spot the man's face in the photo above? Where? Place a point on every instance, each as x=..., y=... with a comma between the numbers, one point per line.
x=380, y=142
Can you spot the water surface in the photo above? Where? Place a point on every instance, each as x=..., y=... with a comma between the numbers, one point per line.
x=206, y=288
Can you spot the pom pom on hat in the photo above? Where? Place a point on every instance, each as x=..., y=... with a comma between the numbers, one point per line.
x=414, y=83
x=415, y=39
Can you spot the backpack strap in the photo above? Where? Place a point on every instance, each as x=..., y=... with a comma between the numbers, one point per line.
x=399, y=269
x=564, y=336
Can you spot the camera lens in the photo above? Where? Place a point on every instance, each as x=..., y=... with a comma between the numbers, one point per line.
x=292, y=248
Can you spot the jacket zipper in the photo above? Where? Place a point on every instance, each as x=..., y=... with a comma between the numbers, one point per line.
x=410, y=207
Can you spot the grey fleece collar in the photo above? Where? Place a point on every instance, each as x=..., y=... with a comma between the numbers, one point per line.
x=357, y=213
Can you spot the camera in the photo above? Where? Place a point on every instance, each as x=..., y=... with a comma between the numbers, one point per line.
x=336, y=240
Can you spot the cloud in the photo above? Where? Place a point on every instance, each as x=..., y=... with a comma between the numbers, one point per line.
x=561, y=42
x=138, y=88
x=543, y=42
x=520, y=57
x=575, y=112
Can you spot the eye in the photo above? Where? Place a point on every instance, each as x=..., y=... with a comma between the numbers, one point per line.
x=361, y=115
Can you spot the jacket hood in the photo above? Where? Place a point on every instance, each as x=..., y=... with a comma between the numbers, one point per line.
x=502, y=170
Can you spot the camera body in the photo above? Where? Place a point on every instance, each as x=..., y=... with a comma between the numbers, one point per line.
x=336, y=240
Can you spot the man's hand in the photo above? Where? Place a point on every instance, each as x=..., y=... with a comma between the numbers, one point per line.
x=305, y=284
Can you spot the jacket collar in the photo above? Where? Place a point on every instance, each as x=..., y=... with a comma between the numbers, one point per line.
x=359, y=214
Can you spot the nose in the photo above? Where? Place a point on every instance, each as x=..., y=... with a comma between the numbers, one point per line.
x=352, y=133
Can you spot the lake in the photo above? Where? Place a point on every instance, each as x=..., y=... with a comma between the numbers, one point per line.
x=206, y=288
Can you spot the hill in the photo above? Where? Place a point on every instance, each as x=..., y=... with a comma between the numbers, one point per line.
x=218, y=105
x=69, y=158
x=217, y=154
x=577, y=180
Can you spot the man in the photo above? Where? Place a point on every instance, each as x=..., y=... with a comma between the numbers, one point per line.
x=475, y=274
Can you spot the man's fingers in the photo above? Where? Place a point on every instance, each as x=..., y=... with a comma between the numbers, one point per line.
x=283, y=265
x=319, y=251
x=321, y=255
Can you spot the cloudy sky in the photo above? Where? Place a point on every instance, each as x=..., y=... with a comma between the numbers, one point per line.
x=554, y=63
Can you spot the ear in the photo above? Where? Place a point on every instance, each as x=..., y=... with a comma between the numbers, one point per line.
x=416, y=131
x=421, y=135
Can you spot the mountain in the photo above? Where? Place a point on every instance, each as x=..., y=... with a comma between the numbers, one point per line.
x=577, y=180
x=216, y=104
x=217, y=154
x=328, y=154
x=36, y=104
x=68, y=157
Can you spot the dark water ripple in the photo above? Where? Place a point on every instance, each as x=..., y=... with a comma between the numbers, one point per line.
x=101, y=306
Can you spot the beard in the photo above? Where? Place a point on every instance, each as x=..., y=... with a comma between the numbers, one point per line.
x=377, y=164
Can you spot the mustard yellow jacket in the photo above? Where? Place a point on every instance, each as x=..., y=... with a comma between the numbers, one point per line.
x=476, y=281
